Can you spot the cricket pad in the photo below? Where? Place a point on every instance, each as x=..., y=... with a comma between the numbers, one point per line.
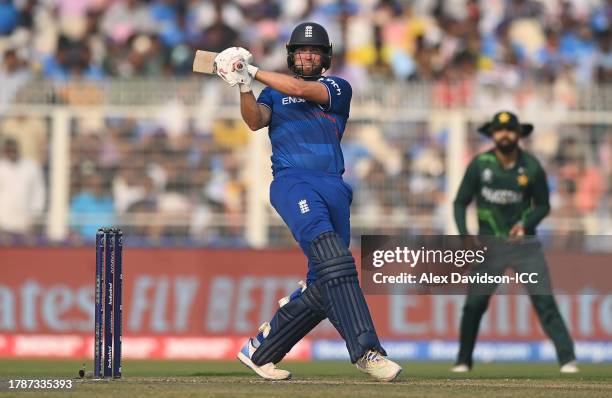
x=343, y=299
x=289, y=325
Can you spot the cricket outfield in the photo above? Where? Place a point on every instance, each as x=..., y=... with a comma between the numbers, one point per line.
x=316, y=379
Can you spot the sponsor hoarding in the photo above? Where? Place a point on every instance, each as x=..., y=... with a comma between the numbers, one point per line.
x=201, y=303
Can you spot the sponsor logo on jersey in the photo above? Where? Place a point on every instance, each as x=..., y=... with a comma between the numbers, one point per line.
x=292, y=100
x=334, y=85
x=501, y=196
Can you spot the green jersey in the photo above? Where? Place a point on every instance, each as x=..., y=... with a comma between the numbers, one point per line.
x=504, y=197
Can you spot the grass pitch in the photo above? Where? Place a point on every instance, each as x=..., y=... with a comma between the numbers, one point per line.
x=152, y=379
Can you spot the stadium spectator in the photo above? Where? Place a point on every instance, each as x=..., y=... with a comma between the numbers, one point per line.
x=142, y=213
x=30, y=134
x=569, y=232
x=219, y=35
x=125, y=18
x=9, y=17
x=14, y=74
x=91, y=207
x=22, y=191
x=129, y=188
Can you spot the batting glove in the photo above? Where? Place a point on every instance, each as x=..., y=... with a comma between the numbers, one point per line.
x=231, y=65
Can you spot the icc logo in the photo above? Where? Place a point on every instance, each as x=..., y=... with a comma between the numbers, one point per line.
x=487, y=175
x=308, y=31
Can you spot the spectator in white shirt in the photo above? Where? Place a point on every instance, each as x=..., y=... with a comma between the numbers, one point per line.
x=22, y=190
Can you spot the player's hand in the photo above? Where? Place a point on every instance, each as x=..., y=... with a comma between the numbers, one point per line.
x=246, y=55
x=516, y=233
x=233, y=65
x=470, y=242
x=248, y=62
x=246, y=77
x=248, y=72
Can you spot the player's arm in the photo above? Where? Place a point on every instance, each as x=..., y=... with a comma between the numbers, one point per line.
x=254, y=114
x=232, y=65
x=466, y=192
x=289, y=85
x=540, y=201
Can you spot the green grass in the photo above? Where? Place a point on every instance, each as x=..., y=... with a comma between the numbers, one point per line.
x=319, y=379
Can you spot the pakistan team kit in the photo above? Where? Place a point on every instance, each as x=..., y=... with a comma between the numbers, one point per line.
x=507, y=197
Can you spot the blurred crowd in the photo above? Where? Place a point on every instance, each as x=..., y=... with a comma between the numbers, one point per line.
x=172, y=178
x=158, y=185
x=398, y=171
x=494, y=41
x=188, y=185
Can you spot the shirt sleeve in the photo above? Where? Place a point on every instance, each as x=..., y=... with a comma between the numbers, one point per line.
x=467, y=189
x=540, y=202
x=340, y=94
x=265, y=97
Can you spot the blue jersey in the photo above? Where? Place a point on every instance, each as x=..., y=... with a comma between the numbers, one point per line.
x=306, y=135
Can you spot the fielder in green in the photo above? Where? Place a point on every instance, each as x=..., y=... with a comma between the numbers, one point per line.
x=511, y=194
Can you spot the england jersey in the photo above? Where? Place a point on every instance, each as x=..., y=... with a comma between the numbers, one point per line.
x=306, y=135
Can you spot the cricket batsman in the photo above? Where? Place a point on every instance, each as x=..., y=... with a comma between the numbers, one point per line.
x=512, y=199
x=306, y=115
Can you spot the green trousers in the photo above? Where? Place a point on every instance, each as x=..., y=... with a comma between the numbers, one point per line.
x=528, y=257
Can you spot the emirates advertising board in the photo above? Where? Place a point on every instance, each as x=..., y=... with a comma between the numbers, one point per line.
x=204, y=303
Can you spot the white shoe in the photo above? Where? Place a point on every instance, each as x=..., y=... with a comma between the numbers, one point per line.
x=267, y=371
x=377, y=366
x=460, y=368
x=570, y=367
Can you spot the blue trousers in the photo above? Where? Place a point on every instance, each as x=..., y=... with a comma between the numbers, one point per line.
x=310, y=203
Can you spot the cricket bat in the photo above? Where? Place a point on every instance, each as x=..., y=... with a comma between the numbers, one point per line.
x=204, y=62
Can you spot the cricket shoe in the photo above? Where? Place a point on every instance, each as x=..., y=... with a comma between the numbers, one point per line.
x=268, y=371
x=460, y=368
x=570, y=367
x=377, y=366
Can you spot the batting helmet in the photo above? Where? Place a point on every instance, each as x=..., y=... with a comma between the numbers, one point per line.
x=309, y=34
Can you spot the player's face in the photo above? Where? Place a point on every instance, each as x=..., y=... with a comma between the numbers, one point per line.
x=308, y=60
x=506, y=140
